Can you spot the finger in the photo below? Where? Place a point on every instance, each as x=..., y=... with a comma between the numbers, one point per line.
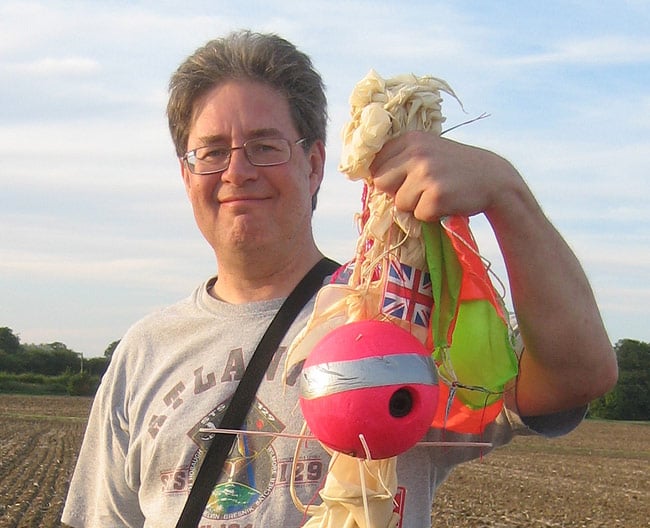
x=428, y=207
x=425, y=202
x=391, y=149
x=388, y=180
x=409, y=194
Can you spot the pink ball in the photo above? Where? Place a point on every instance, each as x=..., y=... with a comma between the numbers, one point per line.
x=371, y=378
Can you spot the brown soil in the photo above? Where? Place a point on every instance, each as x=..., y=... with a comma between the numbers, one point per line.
x=39, y=440
x=598, y=476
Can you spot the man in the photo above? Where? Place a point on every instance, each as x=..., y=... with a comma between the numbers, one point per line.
x=247, y=114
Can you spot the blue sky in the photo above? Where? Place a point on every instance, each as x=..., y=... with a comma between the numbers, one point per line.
x=95, y=228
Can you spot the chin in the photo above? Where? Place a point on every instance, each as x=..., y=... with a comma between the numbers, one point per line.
x=251, y=239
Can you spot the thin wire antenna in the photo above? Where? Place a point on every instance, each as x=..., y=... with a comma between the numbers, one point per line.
x=454, y=444
x=210, y=430
x=366, y=449
x=484, y=115
x=486, y=262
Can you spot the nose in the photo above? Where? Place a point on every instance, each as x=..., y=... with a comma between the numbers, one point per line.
x=239, y=169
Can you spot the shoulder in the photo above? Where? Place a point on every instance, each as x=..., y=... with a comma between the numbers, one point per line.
x=157, y=326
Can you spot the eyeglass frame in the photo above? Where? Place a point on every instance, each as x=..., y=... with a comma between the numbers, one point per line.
x=185, y=156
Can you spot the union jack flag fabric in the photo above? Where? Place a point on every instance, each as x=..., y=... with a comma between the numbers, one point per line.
x=407, y=294
x=343, y=274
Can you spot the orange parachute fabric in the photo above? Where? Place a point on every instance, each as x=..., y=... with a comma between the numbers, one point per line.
x=469, y=329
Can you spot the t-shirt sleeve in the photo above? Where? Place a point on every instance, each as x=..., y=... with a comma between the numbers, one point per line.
x=103, y=490
x=551, y=425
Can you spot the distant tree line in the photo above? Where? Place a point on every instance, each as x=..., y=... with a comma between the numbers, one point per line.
x=48, y=367
x=630, y=399
x=55, y=365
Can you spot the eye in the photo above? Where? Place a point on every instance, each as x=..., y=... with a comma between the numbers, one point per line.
x=265, y=146
x=212, y=153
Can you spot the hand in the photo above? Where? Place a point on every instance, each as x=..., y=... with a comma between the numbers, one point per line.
x=432, y=176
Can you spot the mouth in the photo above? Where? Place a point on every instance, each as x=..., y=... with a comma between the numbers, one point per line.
x=240, y=200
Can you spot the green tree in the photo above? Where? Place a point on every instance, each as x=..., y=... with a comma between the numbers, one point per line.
x=96, y=365
x=50, y=359
x=9, y=342
x=82, y=384
x=108, y=353
x=11, y=359
x=630, y=399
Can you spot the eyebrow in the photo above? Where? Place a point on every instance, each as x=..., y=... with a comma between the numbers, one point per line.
x=251, y=134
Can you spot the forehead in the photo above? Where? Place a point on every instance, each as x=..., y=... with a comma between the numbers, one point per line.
x=239, y=109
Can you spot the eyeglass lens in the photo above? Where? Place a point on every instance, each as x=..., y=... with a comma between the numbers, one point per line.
x=260, y=152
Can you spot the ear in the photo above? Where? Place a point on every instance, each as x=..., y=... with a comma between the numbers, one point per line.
x=317, y=163
x=185, y=174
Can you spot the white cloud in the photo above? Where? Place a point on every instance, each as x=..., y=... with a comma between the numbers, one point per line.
x=603, y=50
x=50, y=66
x=37, y=264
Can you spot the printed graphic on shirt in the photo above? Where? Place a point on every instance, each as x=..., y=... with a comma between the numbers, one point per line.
x=400, y=501
x=204, y=380
x=250, y=471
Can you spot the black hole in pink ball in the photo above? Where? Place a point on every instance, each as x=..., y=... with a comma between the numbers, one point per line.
x=400, y=404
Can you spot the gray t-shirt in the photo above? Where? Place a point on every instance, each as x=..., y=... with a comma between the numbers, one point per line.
x=172, y=376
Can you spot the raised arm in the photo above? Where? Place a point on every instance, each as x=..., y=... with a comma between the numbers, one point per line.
x=568, y=359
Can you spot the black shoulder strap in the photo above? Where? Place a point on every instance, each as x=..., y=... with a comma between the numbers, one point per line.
x=243, y=397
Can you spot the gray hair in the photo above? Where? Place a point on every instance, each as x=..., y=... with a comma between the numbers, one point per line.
x=244, y=55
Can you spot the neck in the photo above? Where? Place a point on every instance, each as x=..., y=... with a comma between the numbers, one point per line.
x=262, y=276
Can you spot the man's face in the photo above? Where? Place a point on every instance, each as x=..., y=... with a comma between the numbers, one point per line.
x=248, y=208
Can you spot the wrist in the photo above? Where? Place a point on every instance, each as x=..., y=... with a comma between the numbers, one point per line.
x=512, y=201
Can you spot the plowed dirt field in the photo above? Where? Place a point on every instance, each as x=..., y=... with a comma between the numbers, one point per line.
x=596, y=477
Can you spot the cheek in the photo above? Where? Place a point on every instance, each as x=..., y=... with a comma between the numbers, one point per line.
x=309, y=181
x=201, y=190
x=304, y=190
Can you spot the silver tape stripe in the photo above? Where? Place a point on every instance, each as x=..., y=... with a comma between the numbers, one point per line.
x=339, y=376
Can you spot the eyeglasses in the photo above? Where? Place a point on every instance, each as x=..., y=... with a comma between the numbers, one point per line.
x=261, y=152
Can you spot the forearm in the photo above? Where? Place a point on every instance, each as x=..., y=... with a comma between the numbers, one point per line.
x=568, y=359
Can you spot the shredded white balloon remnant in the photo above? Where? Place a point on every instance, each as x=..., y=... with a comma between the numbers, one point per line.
x=361, y=493
x=383, y=109
x=380, y=110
